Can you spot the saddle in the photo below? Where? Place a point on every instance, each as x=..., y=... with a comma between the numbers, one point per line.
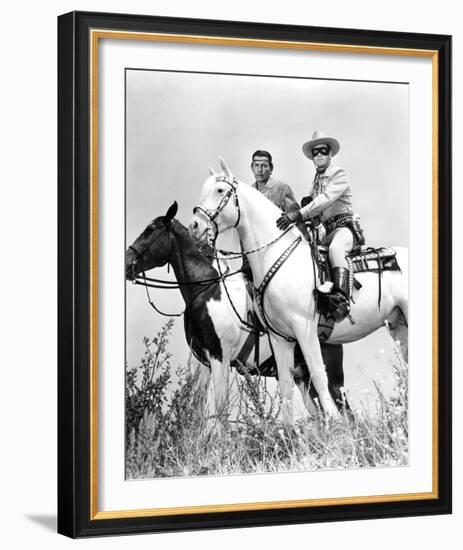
x=360, y=260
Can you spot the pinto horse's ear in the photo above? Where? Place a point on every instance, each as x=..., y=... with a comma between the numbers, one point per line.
x=170, y=214
x=225, y=168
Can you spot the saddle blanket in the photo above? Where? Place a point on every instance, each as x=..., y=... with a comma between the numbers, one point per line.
x=365, y=259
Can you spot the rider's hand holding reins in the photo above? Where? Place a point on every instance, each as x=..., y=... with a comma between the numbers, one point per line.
x=288, y=218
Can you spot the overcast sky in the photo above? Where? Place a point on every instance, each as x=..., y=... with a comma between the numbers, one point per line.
x=178, y=123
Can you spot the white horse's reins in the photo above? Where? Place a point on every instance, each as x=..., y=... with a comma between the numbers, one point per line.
x=211, y=215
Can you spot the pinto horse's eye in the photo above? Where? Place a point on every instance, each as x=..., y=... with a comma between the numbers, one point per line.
x=148, y=230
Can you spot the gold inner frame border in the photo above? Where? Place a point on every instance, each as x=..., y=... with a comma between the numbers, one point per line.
x=95, y=36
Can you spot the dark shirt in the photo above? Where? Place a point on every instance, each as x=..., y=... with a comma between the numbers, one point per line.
x=282, y=196
x=279, y=193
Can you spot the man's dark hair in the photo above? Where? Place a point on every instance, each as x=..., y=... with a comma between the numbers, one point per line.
x=260, y=153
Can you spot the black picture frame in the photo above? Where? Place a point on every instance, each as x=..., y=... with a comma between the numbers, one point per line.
x=76, y=518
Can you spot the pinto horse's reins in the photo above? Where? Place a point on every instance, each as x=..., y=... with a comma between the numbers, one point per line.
x=136, y=281
x=171, y=285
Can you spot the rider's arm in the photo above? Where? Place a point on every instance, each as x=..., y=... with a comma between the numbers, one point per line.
x=336, y=186
x=287, y=201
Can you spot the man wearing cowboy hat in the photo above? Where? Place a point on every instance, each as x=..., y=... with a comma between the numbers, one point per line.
x=281, y=195
x=331, y=199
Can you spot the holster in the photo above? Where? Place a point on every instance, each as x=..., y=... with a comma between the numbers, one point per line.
x=357, y=232
x=352, y=223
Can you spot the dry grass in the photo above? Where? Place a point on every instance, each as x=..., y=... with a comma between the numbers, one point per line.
x=171, y=435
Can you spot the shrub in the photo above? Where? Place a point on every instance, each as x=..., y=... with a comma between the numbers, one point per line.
x=171, y=433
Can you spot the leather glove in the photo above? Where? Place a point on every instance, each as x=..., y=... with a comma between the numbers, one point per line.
x=288, y=218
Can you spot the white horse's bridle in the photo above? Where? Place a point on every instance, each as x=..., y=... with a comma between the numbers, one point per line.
x=211, y=215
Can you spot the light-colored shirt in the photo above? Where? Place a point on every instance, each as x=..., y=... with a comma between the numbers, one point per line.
x=279, y=193
x=331, y=194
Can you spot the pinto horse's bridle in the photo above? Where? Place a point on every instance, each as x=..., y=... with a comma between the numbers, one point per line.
x=149, y=282
x=144, y=279
x=211, y=215
x=139, y=253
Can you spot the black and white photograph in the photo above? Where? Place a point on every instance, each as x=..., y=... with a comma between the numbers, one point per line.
x=255, y=285
x=230, y=286
x=267, y=284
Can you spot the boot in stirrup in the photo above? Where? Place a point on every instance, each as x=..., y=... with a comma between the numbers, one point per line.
x=341, y=293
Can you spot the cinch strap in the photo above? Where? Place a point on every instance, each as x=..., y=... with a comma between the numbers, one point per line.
x=268, y=277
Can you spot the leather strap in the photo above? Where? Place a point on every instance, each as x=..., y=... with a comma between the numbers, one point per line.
x=259, y=292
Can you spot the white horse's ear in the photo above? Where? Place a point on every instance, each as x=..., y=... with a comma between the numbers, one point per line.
x=212, y=172
x=225, y=168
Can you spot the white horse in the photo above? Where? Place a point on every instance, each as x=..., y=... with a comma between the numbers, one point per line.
x=288, y=299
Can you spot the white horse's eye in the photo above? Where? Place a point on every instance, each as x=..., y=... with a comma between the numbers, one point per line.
x=220, y=191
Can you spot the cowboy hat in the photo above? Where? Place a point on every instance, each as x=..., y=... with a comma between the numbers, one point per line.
x=319, y=138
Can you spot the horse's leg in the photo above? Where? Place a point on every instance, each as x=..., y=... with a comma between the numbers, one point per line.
x=333, y=359
x=307, y=338
x=284, y=357
x=220, y=371
x=398, y=329
x=305, y=387
x=204, y=378
x=202, y=384
x=333, y=355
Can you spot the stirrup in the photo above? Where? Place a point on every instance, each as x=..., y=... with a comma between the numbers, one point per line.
x=323, y=302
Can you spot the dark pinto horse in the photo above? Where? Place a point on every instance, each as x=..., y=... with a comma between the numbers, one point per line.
x=216, y=305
